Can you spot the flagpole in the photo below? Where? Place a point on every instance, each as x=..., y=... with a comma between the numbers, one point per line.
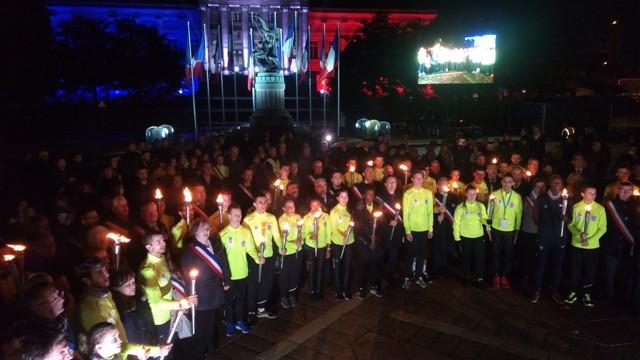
x=324, y=109
x=193, y=87
x=235, y=72
x=295, y=42
x=252, y=64
x=338, y=94
x=206, y=70
x=310, y=75
x=221, y=68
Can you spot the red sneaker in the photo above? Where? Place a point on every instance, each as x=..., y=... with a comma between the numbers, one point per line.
x=495, y=283
x=504, y=283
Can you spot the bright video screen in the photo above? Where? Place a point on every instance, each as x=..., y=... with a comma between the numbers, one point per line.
x=464, y=62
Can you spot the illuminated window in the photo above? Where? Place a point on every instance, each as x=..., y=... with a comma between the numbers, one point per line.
x=314, y=49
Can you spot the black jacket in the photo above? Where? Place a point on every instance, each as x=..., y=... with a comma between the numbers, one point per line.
x=613, y=243
x=209, y=286
x=548, y=216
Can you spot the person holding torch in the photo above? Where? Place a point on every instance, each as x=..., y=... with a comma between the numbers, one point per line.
x=265, y=230
x=469, y=219
x=588, y=224
x=551, y=213
x=316, y=232
x=204, y=259
x=444, y=207
x=220, y=218
x=156, y=283
x=240, y=250
x=391, y=226
x=369, y=251
x=342, y=239
x=289, y=275
x=417, y=218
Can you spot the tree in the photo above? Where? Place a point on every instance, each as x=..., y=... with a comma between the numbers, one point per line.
x=121, y=54
x=379, y=69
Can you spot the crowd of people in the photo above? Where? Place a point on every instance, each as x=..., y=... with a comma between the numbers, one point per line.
x=144, y=253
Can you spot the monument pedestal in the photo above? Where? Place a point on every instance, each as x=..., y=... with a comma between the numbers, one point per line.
x=269, y=101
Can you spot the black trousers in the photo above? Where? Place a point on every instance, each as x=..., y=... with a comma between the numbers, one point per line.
x=473, y=256
x=235, y=300
x=315, y=265
x=368, y=261
x=416, y=249
x=525, y=255
x=391, y=254
x=289, y=275
x=163, y=331
x=259, y=288
x=205, y=331
x=554, y=254
x=342, y=267
x=583, y=268
x=620, y=273
x=502, y=251
x=439, y=246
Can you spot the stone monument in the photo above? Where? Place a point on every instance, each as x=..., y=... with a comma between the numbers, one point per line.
x=269, y=80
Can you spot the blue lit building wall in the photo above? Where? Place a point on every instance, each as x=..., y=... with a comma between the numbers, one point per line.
x=170, y=20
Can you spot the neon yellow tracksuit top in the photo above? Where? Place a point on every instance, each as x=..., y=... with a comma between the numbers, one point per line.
x=237, y=244
x=339, y=219
x=157, y=286
x=95, y=308
x=596, y=228
x=351, y=178
x=417, y=210
x=264, y=228
x=468, y=220
x=292, y=235
x=507, y=206
x=324, y=230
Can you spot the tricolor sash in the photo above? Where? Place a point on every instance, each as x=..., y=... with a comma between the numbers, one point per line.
x=208, y=258
x=220, y=175
x=356, y=191
x=620, y=225
x=387, y=207
x=246, y=191
x=447, y=213
x=178, y=285
x=530, y=201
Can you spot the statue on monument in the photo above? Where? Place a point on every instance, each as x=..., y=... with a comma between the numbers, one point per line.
x=265, y=52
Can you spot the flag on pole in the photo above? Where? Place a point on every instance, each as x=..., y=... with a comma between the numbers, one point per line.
x=304, y=61
x=195, y=63
x=289, y=42
x=333, y=54
x=321, y=48
x=251, y=65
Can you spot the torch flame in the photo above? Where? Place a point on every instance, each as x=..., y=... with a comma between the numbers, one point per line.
x=300, y=222
x=455, y=184
x=492, y=197
x=377, y=214
x=187, y=195
x=352, y=168
x=351, y=224
x=528, y=173
x=397, y=206
x=317, y=214
x=8, y=257
x=636, y=192
x=403, y=167
x=494, y=161
x=158, y=195
x=17, y=247
x=281, y=187
x=219, y=199
x=285, y=227
x=565, y=194
x=277, y=183
x=445, y=188
x=118, y=238
x=370, y=163
x=588, y=208
x=193, y=273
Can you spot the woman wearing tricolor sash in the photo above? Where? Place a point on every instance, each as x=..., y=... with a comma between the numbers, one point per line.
x=206, y=257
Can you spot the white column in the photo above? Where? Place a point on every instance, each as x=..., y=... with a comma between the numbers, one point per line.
x=224, y=28
x=245, y=37
x=284, y=14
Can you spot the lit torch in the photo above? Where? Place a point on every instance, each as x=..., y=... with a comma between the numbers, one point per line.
x=187, y=204
x=220, y=201
x=118, y=240
x=193, y=274
x=285, y=234
x=158, y=196
x=565, y=197
x=346, y=238
x=405, y=169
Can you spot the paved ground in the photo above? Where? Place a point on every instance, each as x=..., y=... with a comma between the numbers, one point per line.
x=448, y=320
